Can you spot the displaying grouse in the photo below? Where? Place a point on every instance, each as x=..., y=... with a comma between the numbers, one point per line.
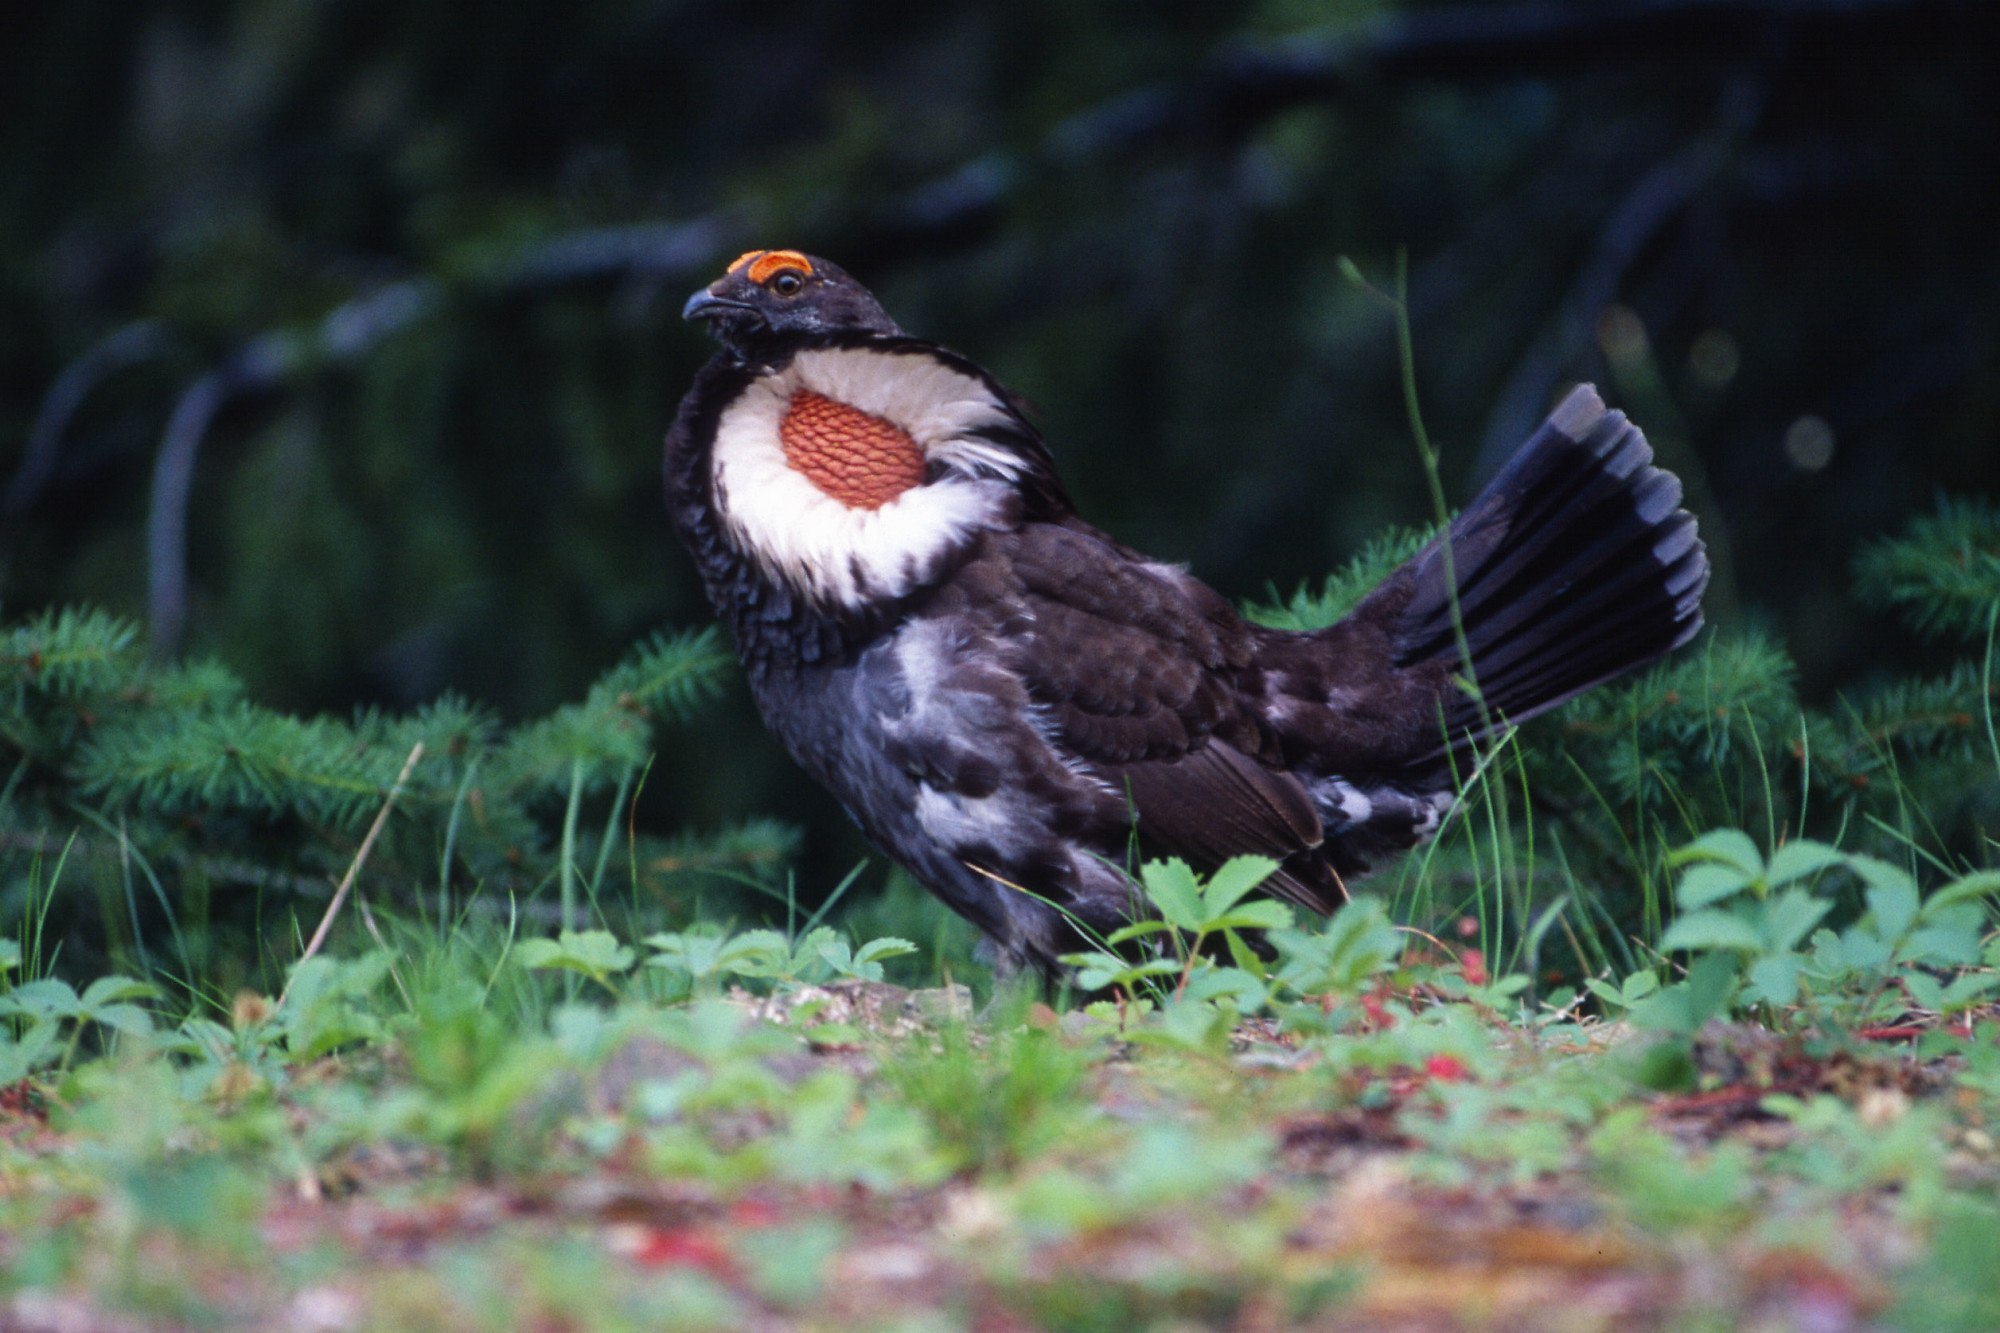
x=1001, y=695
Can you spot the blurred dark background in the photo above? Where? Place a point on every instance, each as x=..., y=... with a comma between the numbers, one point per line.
x=337, y=339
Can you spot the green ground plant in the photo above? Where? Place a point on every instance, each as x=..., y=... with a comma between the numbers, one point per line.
x=1763, y=919
x=1681, y=910
x=745, y=1075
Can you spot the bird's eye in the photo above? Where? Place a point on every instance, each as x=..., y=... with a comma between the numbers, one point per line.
x=788, y=283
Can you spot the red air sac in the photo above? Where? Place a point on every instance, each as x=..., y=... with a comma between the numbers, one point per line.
x=860, y=460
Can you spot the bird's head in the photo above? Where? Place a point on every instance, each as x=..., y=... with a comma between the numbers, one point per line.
x=840, y=457
x=772, y=302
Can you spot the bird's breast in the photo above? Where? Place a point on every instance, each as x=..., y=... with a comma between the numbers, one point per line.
x=855, y=476
x=854, y=457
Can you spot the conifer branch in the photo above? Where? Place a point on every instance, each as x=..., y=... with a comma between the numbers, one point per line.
x=217, y=789
x=1942, y=575
x=1310, y=609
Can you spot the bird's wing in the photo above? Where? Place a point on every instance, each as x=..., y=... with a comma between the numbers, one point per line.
x=1134, y=669
x=1215, y=802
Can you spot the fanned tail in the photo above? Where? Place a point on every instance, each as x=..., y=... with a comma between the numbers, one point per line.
x=1576, y=564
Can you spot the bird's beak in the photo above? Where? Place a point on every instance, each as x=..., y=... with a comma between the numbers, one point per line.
x=705, y=304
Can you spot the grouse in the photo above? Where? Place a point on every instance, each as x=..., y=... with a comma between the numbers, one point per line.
x=1007, y=700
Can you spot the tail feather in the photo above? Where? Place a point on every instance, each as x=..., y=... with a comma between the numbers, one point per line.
x=1625, y=586
x=1575, y=564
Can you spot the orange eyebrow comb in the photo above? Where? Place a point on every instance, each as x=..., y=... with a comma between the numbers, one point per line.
x=763, y=263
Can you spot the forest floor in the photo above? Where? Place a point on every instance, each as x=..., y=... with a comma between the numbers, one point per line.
x=861, y=1156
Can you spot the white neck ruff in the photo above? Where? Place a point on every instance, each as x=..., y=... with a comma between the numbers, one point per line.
x=849, y=558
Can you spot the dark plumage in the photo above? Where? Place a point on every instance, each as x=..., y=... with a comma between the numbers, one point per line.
x=1000, y=694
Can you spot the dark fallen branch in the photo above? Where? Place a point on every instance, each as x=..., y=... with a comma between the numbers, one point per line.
x=1654, y=200
x=1450, y=275
x=1245, y=86
x=1228, y=96
x=644, y=250
x=1241, y=87
x=350, y=332
x=130, y=345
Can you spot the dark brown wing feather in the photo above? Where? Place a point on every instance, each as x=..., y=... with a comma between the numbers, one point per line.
x=1215, y=802
x=1138, y=671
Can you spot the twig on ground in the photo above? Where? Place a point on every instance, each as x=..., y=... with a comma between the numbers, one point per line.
x=354, y=867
